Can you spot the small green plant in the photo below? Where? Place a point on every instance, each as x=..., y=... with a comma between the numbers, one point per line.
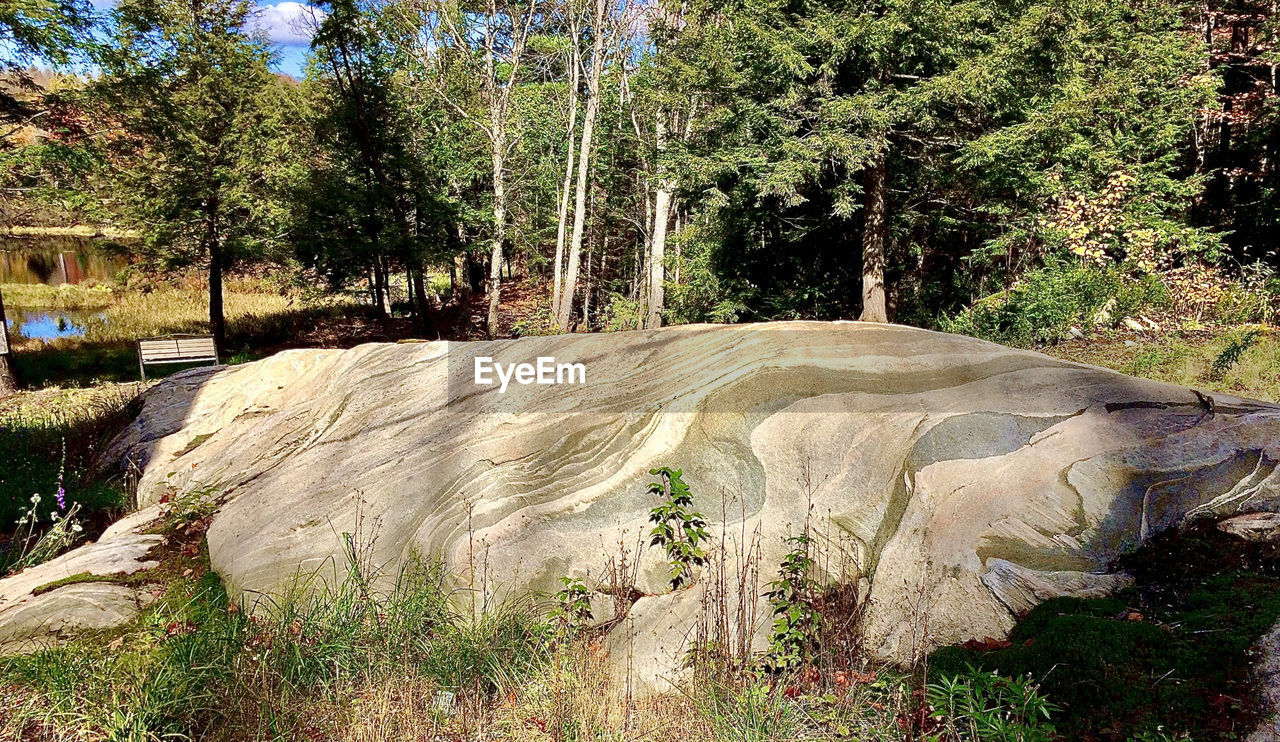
x=572, y=613
x=978, y=706
x=36, y=547
x=677, y=528
x=181, y=512
x=1231, y=354
x=796, y=621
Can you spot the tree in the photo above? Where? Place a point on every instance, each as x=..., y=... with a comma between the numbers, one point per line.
x=574, y=64
x=599, y=32
x=8, y=379
x=51, y=30
x=185, y=77
x=472, y=58
x=371, y=204
x=873, y=159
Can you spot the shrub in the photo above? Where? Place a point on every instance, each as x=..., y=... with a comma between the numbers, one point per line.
x=792, y=596
x=677, y=528
x=1046, y=302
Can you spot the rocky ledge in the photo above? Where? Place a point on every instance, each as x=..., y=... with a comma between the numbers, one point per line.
x=961, y=481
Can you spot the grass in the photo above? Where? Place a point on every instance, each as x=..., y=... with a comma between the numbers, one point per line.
x=1171, y=656
x=410, y=660
x=58, y=432
x=258, y=316
x=1201, y=358
x=65, y=297
x=79, y=230
x=254, y=312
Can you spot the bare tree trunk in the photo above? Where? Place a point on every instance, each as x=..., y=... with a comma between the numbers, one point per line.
x=679, y=247
x=565, y=309
x=8, y=377
x=658, y=245
x=562, y=224
x=422, y=302
x=383, y=288
x=657, y=256
x=586, y=295
x=217, y=318
x=873, y=234
x=499, y=227
x=462, y=263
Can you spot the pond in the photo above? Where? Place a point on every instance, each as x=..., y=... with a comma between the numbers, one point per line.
x=49, y=324
x=58, y=260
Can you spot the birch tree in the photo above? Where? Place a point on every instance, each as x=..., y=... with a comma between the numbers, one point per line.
x=564, y=309
x=8, y=379
x=661, y=218
x=574, y=65
x=459, y=50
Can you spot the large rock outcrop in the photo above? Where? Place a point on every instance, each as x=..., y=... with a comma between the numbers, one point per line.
x=963, y=481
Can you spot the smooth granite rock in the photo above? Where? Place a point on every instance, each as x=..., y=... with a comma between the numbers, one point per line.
x=960, y=481
x=1267, y=673
x=32, y=615
x=1258, y=527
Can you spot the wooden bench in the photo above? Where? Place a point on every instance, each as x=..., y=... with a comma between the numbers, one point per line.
x=175, y=349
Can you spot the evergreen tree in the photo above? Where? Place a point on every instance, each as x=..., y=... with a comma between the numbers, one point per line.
x=186, y=79
x=372, y=202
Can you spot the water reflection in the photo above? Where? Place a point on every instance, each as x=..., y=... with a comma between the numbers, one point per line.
x=49, y=325
x=57, y=260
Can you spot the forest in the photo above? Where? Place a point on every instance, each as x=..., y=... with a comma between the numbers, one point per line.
x=1092, y=180
x=642, y=163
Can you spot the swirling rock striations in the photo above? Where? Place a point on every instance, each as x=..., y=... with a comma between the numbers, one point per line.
x=961, y=481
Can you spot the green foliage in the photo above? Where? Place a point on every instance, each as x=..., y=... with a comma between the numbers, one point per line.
x=755, y=712
x=996, y=118
x=1046, y=302
x=572, y=612
x=49, y=441
x=677, y=528
x=978, y=706
x=166, y=682
x=1230, y=355
x=48, y=29
x=796, y=622
x=187, y=82
x=1172, y=656
x=371, y=197
x=194, y=659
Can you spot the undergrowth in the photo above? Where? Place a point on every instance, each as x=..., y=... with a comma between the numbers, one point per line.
x=369, y=656
x=1168, y=659
x=48, y=443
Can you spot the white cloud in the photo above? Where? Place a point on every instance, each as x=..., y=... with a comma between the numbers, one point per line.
x=288, y=23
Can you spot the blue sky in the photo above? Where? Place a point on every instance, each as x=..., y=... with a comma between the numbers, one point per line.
x=285, y=24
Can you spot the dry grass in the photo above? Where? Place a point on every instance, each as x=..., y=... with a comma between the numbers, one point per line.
x=1186, y=358
x=82, y=297
x=79, y=230
x=122, y=317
